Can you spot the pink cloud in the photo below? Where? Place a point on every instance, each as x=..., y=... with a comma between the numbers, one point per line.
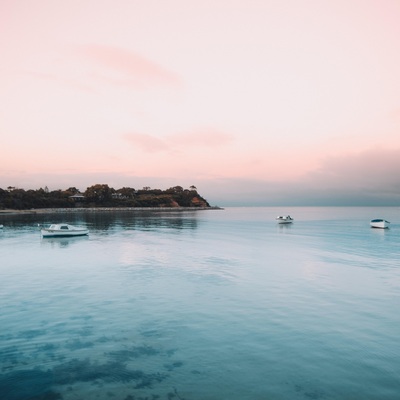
x=133, y=68
x=201, y=138
x=145, y=142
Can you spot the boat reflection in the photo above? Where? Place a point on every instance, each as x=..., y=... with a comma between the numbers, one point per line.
x=62, y=241
x=284, y=228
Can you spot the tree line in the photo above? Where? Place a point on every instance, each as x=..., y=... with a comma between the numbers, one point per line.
x=100, y=195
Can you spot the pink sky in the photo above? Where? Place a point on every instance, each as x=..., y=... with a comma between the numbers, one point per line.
x=250, y=99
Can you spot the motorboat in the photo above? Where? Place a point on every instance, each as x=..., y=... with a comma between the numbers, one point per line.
x=284, y=220
x=63, y=230
x=379, y=223
x=1, y=226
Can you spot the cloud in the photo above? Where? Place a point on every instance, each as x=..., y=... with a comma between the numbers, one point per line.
x=368, y=178
x=128, y=67
x=373, y=168
x=147, y=143
x=206, y=138
x=203, y=137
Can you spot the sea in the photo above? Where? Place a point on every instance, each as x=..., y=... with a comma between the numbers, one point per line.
x=202, y=305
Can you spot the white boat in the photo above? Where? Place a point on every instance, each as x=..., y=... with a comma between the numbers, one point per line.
x=379, y=223
x=63, y=230
x=284, y=220
x=1, y=226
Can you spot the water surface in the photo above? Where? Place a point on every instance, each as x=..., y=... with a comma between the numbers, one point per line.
x=202, y=305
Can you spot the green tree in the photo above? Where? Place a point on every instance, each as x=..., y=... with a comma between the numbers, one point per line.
x=99, y=193
x=72, y=190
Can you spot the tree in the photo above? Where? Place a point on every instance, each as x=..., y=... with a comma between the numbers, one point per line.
x=175, y=189
x=99, y=193
x=126, y=192
x=73, y=190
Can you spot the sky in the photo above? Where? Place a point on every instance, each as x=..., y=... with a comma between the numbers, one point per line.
x=254, y=102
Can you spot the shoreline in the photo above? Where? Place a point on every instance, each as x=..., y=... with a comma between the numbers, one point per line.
x=104, y=209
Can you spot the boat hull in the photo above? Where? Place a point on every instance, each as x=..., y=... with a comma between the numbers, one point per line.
x=379, y=223
x=54, y=233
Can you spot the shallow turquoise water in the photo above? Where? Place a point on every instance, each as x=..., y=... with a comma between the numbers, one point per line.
x=202, y=305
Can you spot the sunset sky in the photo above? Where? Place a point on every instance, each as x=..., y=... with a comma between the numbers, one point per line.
x=263, y=102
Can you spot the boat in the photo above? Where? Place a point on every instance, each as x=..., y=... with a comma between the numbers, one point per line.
x=379, y=223
x=63, y=230
x=284, y=220
x=1, y=226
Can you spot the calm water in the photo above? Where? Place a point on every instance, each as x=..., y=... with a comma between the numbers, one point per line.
x=205, y=305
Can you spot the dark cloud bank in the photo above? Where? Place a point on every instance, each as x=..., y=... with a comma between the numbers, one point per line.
x=371, y=178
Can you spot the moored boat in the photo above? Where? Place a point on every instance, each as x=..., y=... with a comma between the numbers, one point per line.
x=284, y=220
x=379, y=223
x=63, y=230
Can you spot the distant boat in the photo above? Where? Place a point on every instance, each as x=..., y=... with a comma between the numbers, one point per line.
x=1, y=226
x=379, y=223
x=63, y=230
x=284, y=220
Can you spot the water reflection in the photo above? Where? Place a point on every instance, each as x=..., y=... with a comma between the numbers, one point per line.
x=144, y=220
x=106, y=221
x=284, y=228
x=62, y=241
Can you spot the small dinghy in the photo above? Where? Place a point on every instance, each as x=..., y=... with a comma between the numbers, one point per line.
x=379, y=223
x=284, y=220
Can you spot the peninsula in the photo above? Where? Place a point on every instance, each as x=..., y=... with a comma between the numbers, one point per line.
x=101, y=196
